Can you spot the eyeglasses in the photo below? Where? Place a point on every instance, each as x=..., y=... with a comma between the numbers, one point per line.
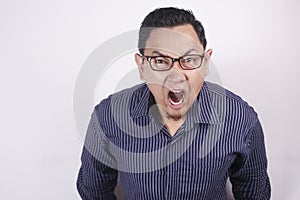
x=165, y=63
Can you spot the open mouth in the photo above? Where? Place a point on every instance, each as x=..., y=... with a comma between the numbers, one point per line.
x=176, y=98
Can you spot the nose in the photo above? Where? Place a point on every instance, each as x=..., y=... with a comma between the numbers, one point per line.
x=176, y=63
x=176, y=74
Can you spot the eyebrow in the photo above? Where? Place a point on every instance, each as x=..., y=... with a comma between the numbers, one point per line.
x=186, y=53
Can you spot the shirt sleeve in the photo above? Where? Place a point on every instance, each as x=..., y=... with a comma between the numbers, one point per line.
x=248, y=173
x=96, y=180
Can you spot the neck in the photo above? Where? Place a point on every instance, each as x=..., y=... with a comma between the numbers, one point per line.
x=172, y=123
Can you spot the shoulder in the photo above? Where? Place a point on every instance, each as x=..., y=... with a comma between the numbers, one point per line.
x=231, y=99
x=231, y=107
x=118, y=101
x=217, y=91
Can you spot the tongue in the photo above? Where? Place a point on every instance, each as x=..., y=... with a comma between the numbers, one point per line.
x=175, y=97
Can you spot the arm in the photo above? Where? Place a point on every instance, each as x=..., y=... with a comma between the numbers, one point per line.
x=95, y=179
x=248, y=173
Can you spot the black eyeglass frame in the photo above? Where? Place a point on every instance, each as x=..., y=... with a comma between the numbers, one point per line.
x=149, y=58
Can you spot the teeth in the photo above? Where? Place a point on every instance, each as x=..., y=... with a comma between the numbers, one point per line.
x=176, y=103
x=176, y=91
x=176, y=97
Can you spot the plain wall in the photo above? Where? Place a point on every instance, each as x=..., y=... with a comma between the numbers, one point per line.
x=43, y=45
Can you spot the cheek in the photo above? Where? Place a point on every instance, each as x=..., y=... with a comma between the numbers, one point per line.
x=195, y=81
x=154, y=78
x=158, y=93
x=204, y=70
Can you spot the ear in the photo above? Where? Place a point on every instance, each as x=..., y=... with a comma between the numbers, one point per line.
x=139, y=60
x=208, y=54
x=205, y=69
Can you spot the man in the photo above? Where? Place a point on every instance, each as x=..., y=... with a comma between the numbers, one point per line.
x=176, y=136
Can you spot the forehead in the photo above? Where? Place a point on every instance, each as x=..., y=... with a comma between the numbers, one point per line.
x=176, y=40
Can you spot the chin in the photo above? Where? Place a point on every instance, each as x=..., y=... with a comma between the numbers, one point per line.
x=176, y=115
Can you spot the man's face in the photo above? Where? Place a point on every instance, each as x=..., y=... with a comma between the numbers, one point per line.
x=174, y=90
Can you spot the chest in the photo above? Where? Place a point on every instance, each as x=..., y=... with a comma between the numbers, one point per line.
x=185, y=175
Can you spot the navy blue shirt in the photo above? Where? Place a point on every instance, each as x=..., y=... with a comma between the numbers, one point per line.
x=221, y=138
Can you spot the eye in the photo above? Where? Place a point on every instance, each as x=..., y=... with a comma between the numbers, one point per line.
x=161, y=60
x=188, y=59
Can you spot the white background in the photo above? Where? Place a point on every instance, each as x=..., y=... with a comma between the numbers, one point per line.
x=43, y=45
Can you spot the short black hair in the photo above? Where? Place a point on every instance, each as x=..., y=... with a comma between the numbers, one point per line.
x=168, y=17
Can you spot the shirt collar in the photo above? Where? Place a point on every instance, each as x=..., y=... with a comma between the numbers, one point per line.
x=202, y=110
x=140, y=101
x=205, y=107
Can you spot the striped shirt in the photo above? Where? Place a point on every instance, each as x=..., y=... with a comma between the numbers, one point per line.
x=221, y=138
